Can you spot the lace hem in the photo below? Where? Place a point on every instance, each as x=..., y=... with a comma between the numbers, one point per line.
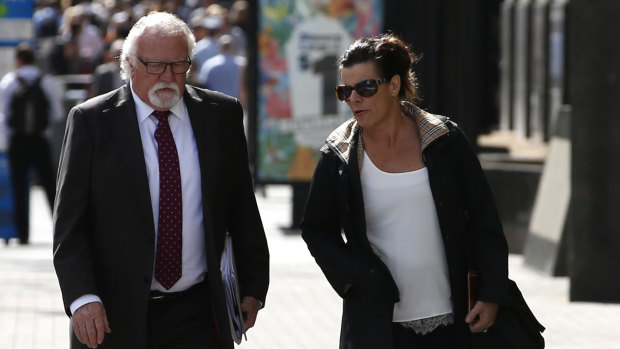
x=429, y=324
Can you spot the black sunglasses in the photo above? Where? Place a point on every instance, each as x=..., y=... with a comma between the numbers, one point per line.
x=364, y=88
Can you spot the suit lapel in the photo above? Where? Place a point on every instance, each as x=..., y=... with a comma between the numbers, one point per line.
x=205, y=126
x=124, y=126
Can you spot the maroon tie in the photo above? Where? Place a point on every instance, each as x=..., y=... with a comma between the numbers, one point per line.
x=168, y=259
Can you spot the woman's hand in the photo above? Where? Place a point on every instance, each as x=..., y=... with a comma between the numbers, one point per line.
x=482, y=316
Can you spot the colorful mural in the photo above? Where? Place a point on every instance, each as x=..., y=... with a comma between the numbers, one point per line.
x=298, y=44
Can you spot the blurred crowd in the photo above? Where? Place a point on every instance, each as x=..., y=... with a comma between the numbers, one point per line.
x=85, y=37
x=79, y=42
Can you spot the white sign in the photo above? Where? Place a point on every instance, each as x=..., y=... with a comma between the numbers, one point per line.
x=312, y=54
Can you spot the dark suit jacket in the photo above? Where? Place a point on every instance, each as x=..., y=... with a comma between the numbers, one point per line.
x=104, y=233
x=105, y=78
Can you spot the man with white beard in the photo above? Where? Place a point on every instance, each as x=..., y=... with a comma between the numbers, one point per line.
x=152, y=177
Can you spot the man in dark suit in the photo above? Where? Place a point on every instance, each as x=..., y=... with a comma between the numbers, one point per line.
x=106, y=76
x=152, y=176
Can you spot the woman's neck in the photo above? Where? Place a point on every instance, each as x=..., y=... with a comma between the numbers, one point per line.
x=391, y=132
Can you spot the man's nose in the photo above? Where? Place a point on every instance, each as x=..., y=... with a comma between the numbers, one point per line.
x=168, y=74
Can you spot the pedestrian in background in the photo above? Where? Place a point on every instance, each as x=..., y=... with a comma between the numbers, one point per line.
x=408, y=192
x=238, y=26
x=152, y=177
x=81, y=41
x=30, y=103
x=107, y=76
x=223, y=72
x=207, y=46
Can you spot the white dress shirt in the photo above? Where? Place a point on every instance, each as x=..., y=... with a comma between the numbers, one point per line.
x=194, y=264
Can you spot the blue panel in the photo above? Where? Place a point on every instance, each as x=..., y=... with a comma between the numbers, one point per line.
x=9, y=43
x=16, y=8
x=7, y=228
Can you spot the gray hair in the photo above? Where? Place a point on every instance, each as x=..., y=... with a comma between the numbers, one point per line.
x=164, y=23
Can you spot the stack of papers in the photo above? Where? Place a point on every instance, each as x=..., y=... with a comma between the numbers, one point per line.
x=231, y=290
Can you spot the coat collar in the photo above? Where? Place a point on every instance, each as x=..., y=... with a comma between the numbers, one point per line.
x=349, y=133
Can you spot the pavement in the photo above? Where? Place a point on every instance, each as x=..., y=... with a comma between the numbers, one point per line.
x=302, y=311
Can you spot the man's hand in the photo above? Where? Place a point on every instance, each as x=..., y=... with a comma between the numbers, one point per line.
x=250, y=306
x=90, y=324
x=482, y=316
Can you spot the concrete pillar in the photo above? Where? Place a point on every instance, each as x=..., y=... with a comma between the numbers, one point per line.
x=545, y=248
x=522, y=78
x=506, y=65
x=539, y=72
x=594, y=90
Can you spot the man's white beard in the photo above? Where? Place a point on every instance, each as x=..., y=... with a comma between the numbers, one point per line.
x=164, y=99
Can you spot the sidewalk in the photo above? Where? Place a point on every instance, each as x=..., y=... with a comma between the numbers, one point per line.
x=301, y=311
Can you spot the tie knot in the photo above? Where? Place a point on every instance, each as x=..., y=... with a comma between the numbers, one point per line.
x=161, y=115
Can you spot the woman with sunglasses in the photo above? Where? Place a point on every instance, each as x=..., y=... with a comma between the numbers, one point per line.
x=406, y=189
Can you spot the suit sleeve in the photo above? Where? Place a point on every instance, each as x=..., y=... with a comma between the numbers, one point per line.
x=246, y=227
x=72, y=245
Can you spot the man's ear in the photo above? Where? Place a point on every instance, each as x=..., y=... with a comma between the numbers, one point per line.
x=130, y=66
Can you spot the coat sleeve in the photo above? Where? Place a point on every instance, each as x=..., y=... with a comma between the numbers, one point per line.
x=246, y=227
x=72, y=245
x=320, y=225
x=484, y=226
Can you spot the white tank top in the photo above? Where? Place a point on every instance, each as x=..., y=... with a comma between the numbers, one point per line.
x=402, y=224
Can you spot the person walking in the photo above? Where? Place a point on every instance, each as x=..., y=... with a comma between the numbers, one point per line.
x=107, y=75
x=207, y=46
x=223, y=72
x=408, y=192
x=152, y=178
x=30, y=103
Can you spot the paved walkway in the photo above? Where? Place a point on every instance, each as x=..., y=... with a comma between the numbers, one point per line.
x=301, y=311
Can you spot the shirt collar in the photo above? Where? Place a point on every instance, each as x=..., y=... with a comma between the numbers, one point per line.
x=143, y=110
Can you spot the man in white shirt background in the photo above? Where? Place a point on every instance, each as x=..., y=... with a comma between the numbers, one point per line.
x=25, y=132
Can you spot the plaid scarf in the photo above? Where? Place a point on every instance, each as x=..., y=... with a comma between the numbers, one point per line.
x=342, y=138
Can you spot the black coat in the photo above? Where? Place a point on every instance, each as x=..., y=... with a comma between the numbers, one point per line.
x=468, y=221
